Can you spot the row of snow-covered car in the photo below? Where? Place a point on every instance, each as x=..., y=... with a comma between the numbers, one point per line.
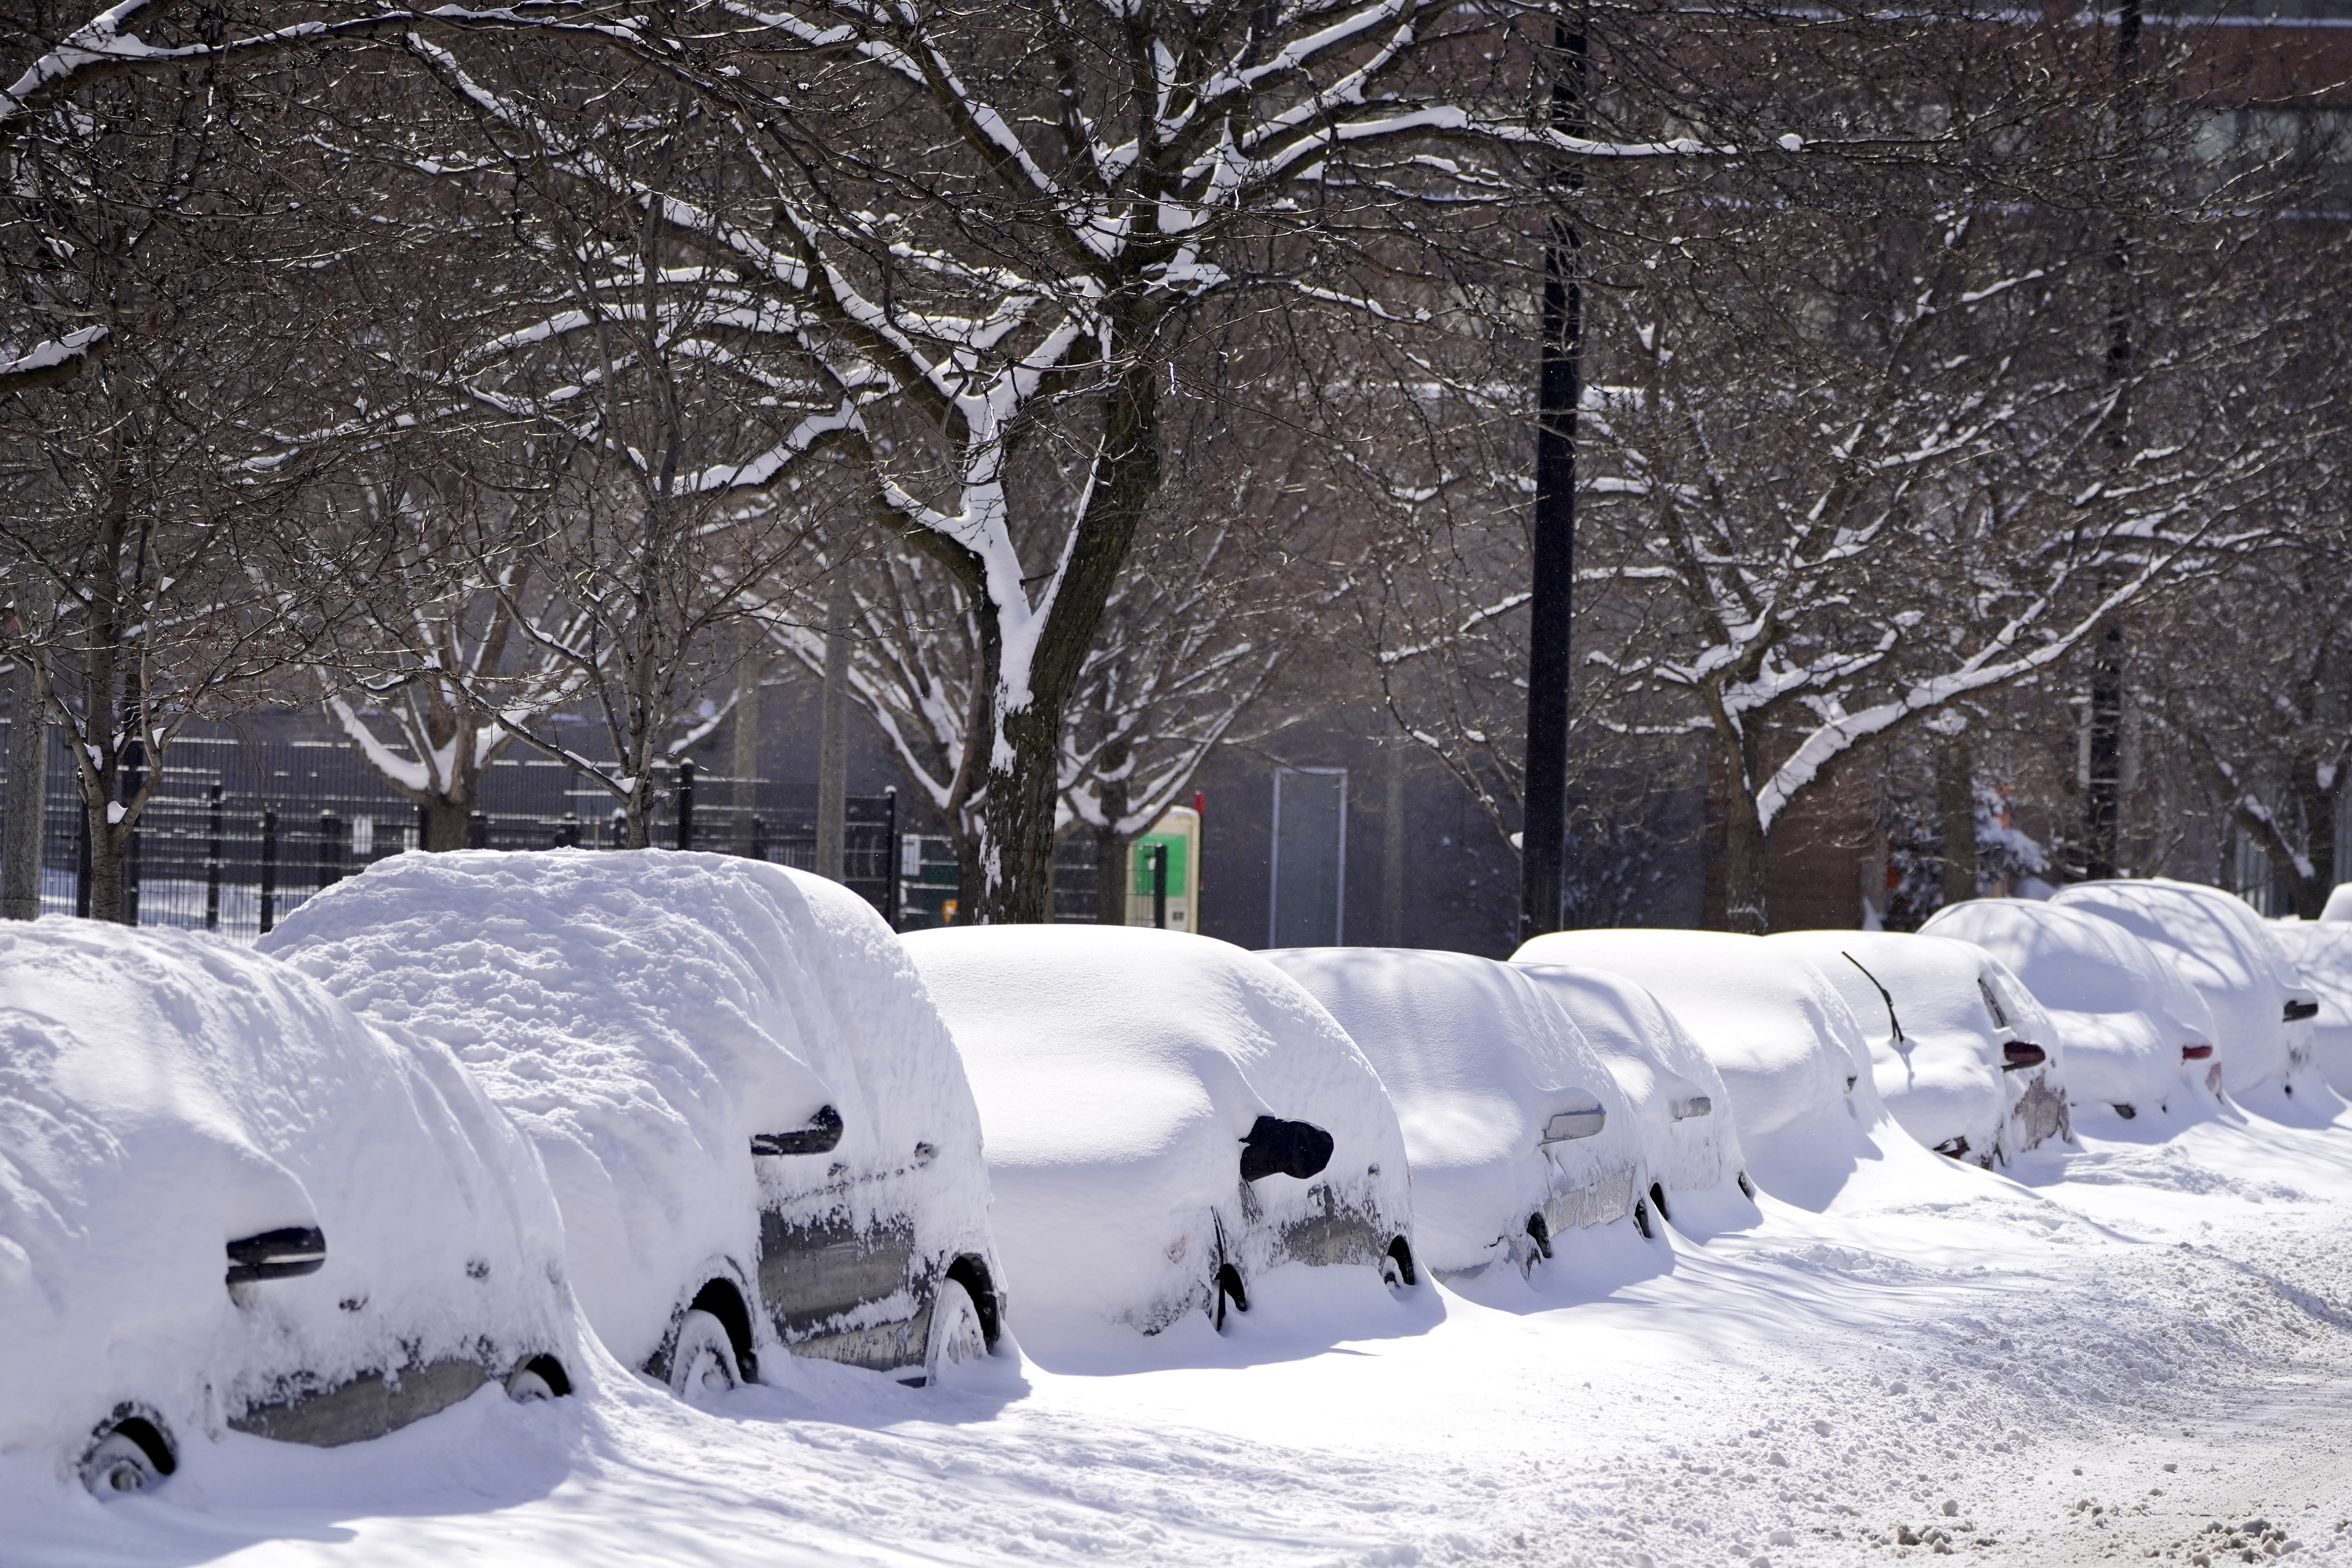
x=475, y=1120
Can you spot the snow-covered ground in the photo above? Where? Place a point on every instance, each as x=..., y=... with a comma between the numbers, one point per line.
x=2094, y=1360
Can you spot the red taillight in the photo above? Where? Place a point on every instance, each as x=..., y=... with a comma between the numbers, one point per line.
x=2195, y=1053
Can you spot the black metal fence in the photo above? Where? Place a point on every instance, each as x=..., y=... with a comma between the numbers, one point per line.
x=241, y=831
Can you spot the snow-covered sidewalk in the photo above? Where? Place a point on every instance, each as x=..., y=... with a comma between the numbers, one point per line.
x=2001, y=1369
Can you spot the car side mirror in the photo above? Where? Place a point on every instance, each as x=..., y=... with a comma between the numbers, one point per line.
x=1581, y=1121
x=818, y=1137
x=1275, y=1147
x=2296, y=1012
x=277, y=1255
x=1689, y=1106
x=2021, y=1054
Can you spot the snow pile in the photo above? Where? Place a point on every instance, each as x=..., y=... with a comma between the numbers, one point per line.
x=1689, y=1139
x=2217, y=944
x=1119, y=1073
x=2123, y=1015
x=643, y=1015
x=162, y=1095
x=1497, y=1089
x=1945, y=1075
x=1793, y=1056
x=2338, y=911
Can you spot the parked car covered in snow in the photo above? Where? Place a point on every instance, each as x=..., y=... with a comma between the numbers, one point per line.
x=2131, y=1033
x=2322, y=953
x=1168, y=1117
x=1689, y=1138
x=226, y=1201
x=756, y=1124
x=2217, y=944
x=1963, y=1056
x=1516, y=1131
x=1790, y=1054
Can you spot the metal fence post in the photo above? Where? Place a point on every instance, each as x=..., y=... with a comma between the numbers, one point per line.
x=1160, y=887
x=81, y=859
x=331, y=850
x=686, y=804
x=893, y=894
x=134, y=778
x=758, y=850
x=268, y=871
x=212, y=862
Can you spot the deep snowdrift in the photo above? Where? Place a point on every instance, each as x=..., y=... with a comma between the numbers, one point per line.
x=1516, y=1131
x=1792, y=1058
x=2220, y=947
x=1689, y=1137
x=2322, y=952
x=2124, y=1017
x=1947, y=1078
x=644, y=1016
x=164, y=1095
x=1120, y=1075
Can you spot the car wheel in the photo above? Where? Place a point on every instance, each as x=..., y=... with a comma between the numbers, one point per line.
x=131, y=1458
x=703, y=1366
x=957, y=1338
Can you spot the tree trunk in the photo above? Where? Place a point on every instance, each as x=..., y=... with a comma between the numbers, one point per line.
x=1018, y=803
x=1744, y=842
x=1956, y=804
x=2103, y=799
x=2319, y=838
x=28, y=768
x=1112, y=848
x=445, y=822
x=107, y=843
x=833, y=735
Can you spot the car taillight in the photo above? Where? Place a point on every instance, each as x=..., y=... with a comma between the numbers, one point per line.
x=2195, y=1053
x=2023, y=1053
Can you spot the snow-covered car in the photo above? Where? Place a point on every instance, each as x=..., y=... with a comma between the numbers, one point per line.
x=1168, y=1118
x=2131, y=1033
x=2322, y=952
x=1964, y=1057
x=226, y=1201
x=1789, y=1051
x=1517, y=1132
x=755, y=1123
x=2217, y=943
x=1688, y=1140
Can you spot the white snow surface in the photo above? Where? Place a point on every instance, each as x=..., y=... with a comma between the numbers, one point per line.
x=641, y=1014
x=1661, y=1071
x=2122, y=1013
x=1117, y=1071
x=1477, y=1058
x=162, y=1094
x=1944, y=1079
x=2338, y=907
x=2220, y=946
x=1792, y=1056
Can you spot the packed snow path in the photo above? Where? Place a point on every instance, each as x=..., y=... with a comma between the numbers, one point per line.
x=2132, y=1344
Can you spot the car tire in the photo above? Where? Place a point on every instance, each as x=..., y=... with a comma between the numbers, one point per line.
x=702, y=1364
x=120, y=1465
x=957, y=1338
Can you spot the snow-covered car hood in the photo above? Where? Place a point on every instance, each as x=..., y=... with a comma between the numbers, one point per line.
x=2217, y=944
x=1946, y=1079
x=1792, y=1058
x=2122, y=1014
x=1117, y=1073
x=643, y=1015
x=1664, y=1076
x=163, y=1094
x=1479, y=1062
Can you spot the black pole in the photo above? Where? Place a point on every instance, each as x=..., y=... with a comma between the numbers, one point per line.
x=686, y=804
x=135, y=777
x=81, y=860
x=212, y=861
x=331, y=850
x=2102, y=790
x=891, y=889
x=1543, y=838
x=268, y=871
x=1160, y=887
